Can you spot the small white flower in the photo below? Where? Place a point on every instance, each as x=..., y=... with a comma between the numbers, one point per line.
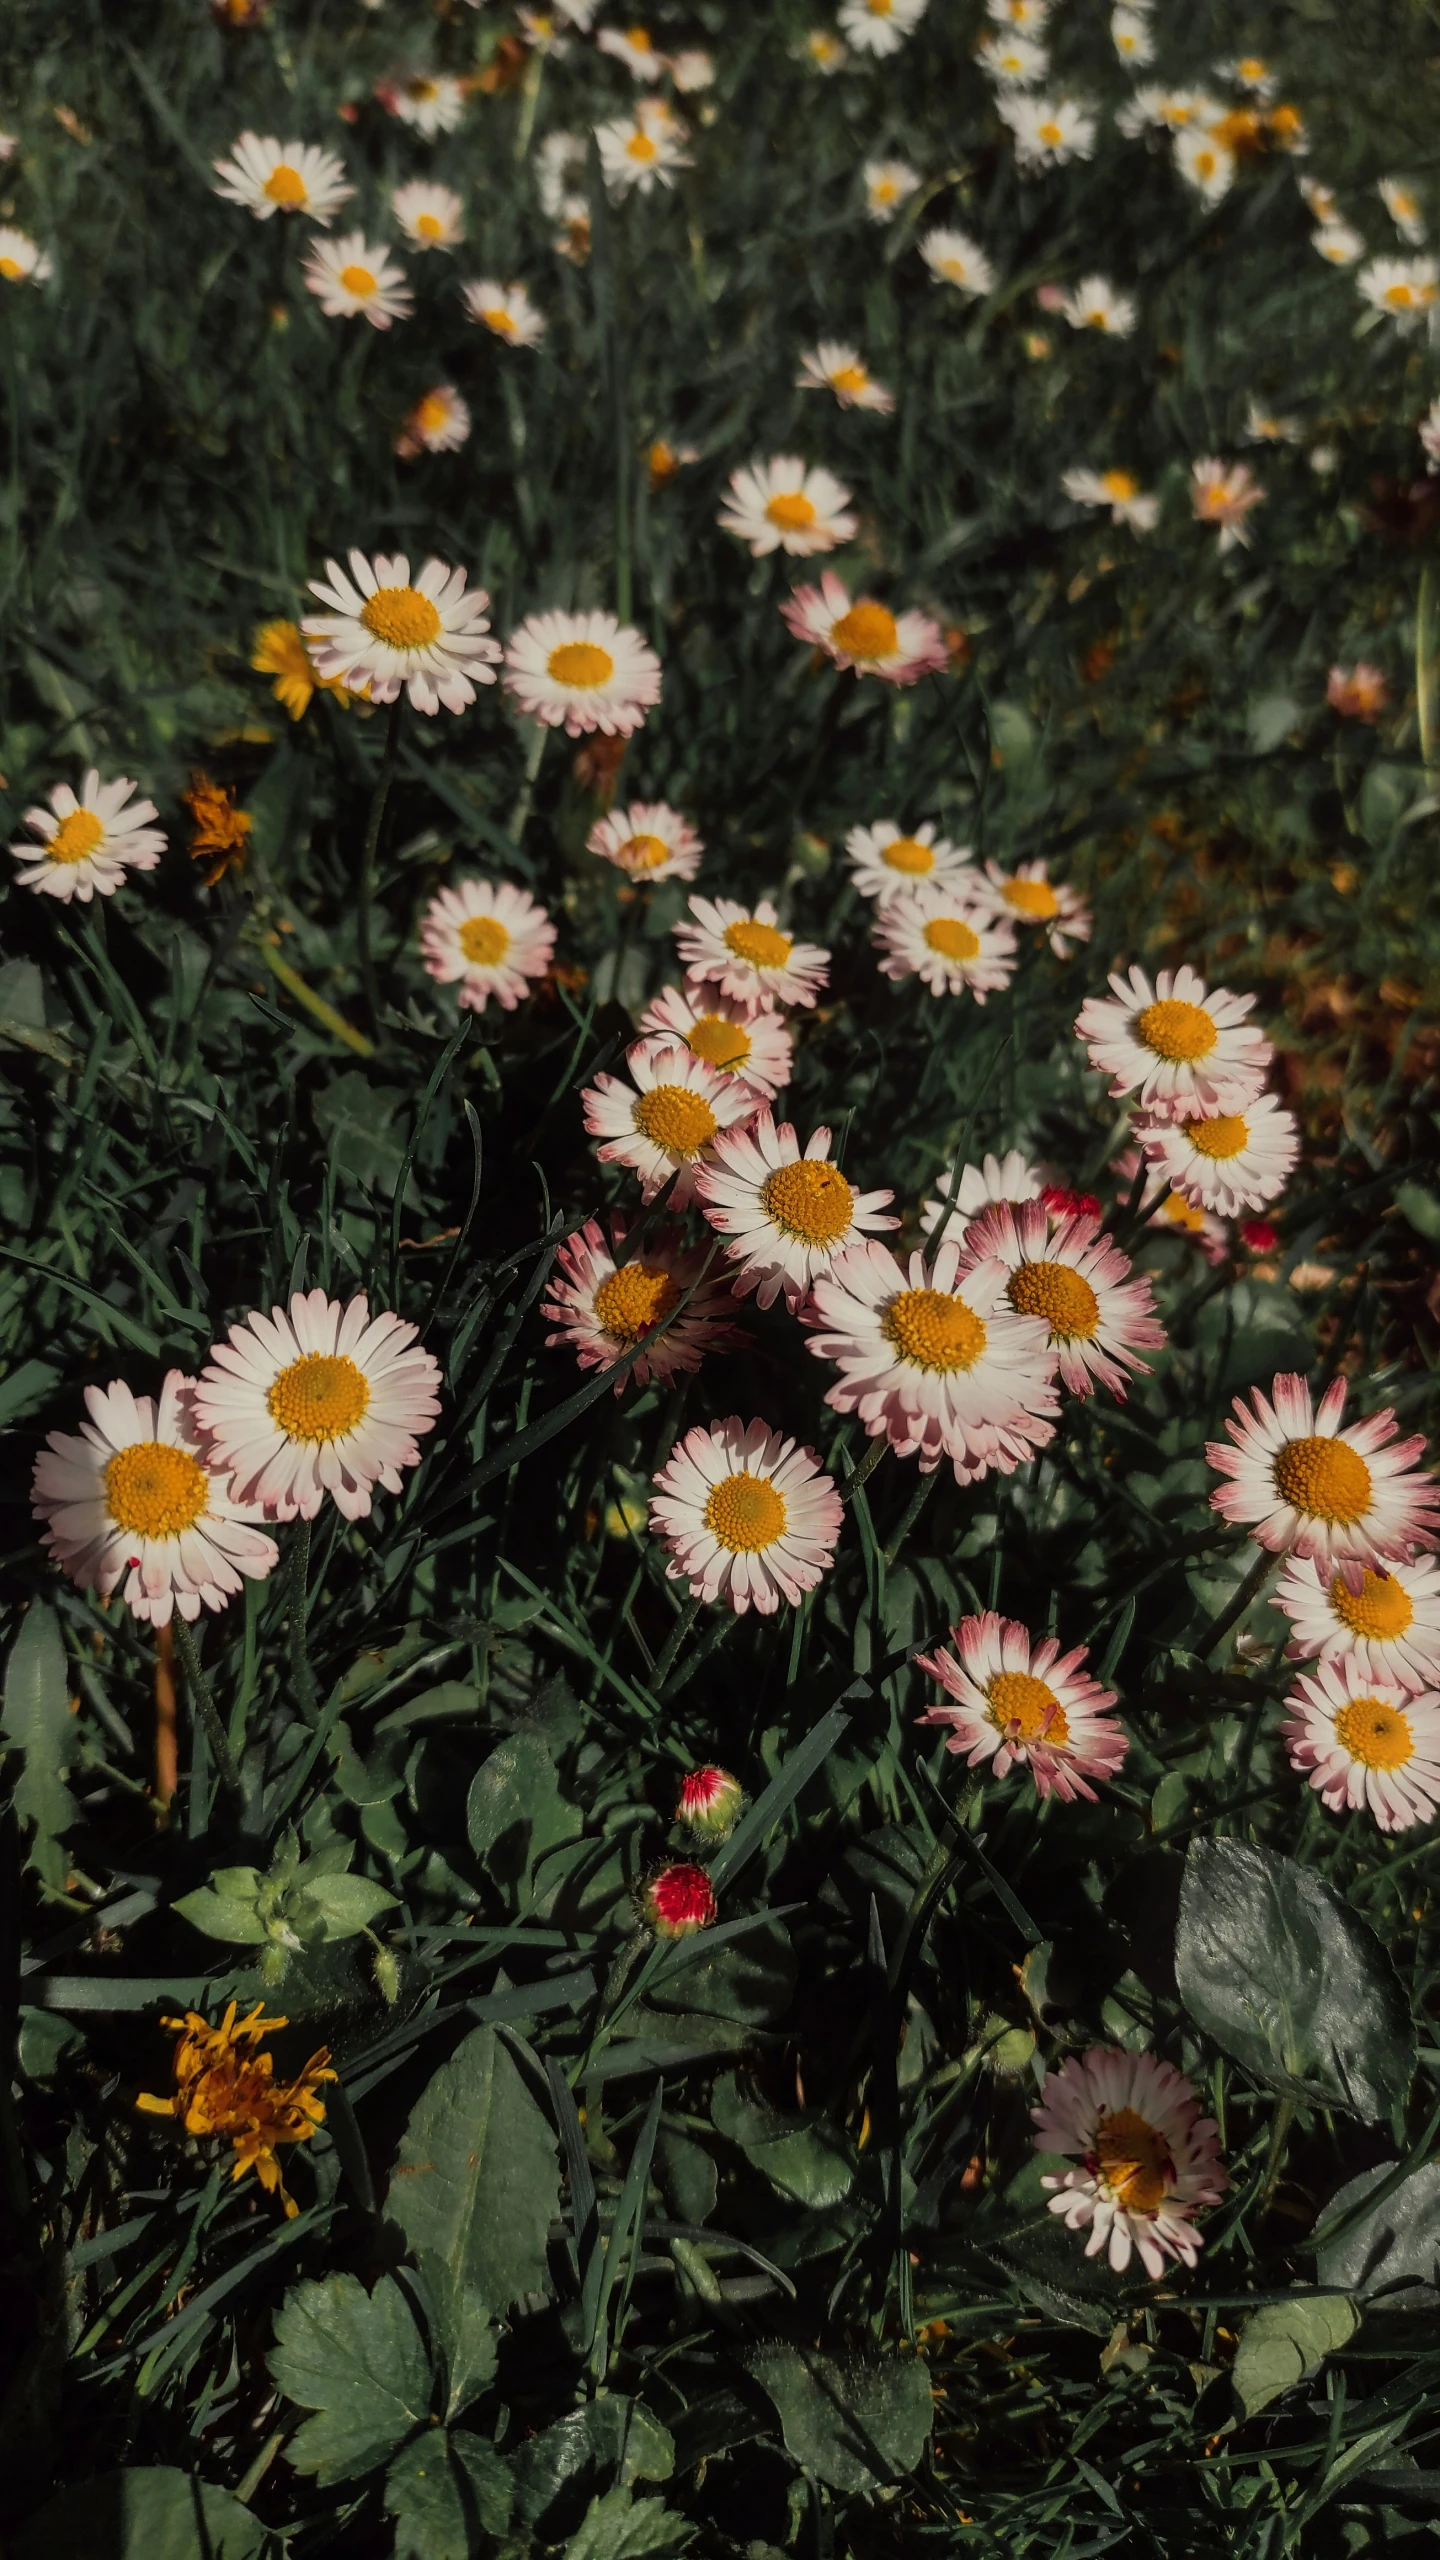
x=726, y=1032
x=782, y=506
x=886, y=862
x=433, y=637
x=429, y=103
x=21, y=262
x=1204, y=162
x=350, y=279
x=1364, y=1743
x=747, y=1515
x=438, y=423
x=88, y=845
x=320, y=1398
x=582, y=672
x=640, y=152
x=1048, y=132
x=880, y=26
x=632, y=46
x=823, y=50
x=1130, y=35
x=269, y=177
x=692, y=71
x=1321, y=201
x=1389, y=1619
x=492, y=937
x=506, y=310
x=950, y=940
x=1227, y=1161
x=1012, y=61
x=786, y=1214
x=1403, y=288
x=835, y=367
x=1095, y=304
x=431, y=217
x=1262, y=426
x=1120, y=491
x=954, y=258
x=664, y=1122
x=1223, y=494
x=1168, y=110
x=1338, y=243
x=648, y=842
x=1251, y=74
x=888, y=185
x=1429, y=433
x=1404, y=208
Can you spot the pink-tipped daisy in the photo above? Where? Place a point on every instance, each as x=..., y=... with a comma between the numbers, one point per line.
x=351, y=280
x=885, y=861
x=269, y=177
x=746, y=954
x=1365, y=1744
x=1390, y=1624
x=603, y=1308
x=842, y=370
x=937, y=1362
x=667, y=1118
x=783, y=506
x=709, y=1803
x=787, y=1213
x=88, y=844
x=1148, y=2160
x=1078, y=1283
x=1305, y=1484
x=1229, y=1161
x=1223, y=494
x=1028, y=895
x=433, y=637
x=506, y=310
x=1015, y=1703
x=581, y=672
x=747, y=1514
x=137, y=1496
x=755, y=1048
x=647, y=841
x=492, y=936
x=860, y=633
x=948, y=939
x=439, y=423
x=321, y=1399
x=1179, y=1048
x=677, y=1900
x=1010, y=1177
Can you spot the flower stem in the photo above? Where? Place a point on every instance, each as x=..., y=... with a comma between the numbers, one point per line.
x=373, y=824
x=520, y=814
x=334, y=1022
x=297, y=1602
x=913, y=1509
x=1250, y=1589
x=167, y=1768
x=866, y=1469
x=204, y=1705
x=683, y=1626
x=1275, y=2157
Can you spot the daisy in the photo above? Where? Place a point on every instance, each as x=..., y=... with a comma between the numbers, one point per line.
x=945, y=938
x=1429, y=434
x=1403, y=288
x=953, y=258
x=1183, y=1050
x=431, y=217
x=885, y=863
x=137, y=1495
x=1389, y=1624
x=1148, y=2159
x=506, y=310
x=1320, y=200
x=269, y=177
x=1304, y=1485
x=825, y=52
x=433, y=638
x=1029, y=15
x=834, y=367
x=879, y=26
x=1130, y=35
x=1019, y=1703
x=429, y=105
x=1205, y=163
x=1359, y=692
x=1027, y=895
x=322, y=1399
x=1404, y=208
x=542, y=34
x=1365, y=1743
x=1120, y=491
x=934, y=1359
x=692, y=70
x=863, y=634
x=782, y=506
x=559, y=162
x=1262, y=426
x=638, y=152
x=726, y=1032
x=1230, y=1161
x=1338, y=243
x=1096, y=305
x=88, y=844
x=582, y=672
x=1223, y=494
x=888, y=184
x=1009, y=1178
x=665, y=1121
x=1076, y=1281
x=1167, y=110
x=1251, y=74
x=633, y=47
x=648, y=841
x=788, y=1214
x=747, y=1515
x=746, y=954
x=21, y=261
x=1012, y=61
x=604, y=1308
x=1047, y=132
x=348, y=278
x=439, y=423
x=490, y=935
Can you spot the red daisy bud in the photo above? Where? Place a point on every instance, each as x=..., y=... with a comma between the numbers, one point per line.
x=1258, y=1235
x=1069, y=1204
x=710, y=1801
x=678, y=1900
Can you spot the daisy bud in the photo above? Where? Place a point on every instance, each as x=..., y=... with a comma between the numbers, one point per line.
x=709, y=1803
x=387, y=1974
x=678, y=1899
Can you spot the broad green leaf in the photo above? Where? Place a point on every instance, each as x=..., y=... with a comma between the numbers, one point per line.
x=223, y=1916
x=752, y=1979
x=477, y=2179
x=851, y=2425
x=446, y=2491
x=463, y=2330
x=559, y=2470
x=688, y=2176
x=1394, y=2242
x=621, y=2526
x=35, y=1720
x=365, y=1128
x=141, y=2515
x=359, y=2361
x=348, y=1904
x=804, y=2157
x=1290, y=1981
x=516, y=1811
x=1286, y=2342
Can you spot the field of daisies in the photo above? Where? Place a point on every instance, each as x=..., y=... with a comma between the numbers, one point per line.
x=719, y=1200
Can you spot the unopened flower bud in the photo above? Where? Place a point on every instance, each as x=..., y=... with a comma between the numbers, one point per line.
x=710, y=1801
x=387, y=1975
x=678, y=1899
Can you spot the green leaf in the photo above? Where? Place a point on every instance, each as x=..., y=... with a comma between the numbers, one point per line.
x=559, y=2470
x=1394, y=2242
x=35, y=1720
x=804, y=2157
x=446, y=2492
x=1286, y=2342
x=621, y=2526
x=141, y=2515
x=358, y=2360
x=689, y=2180
x=1290, y=1981
x=477, y=2179
x=463, y=2330
x=516, y=1811
x=852, y=2426
x=358, y=1120
x=752, y=1979
x=223, y=1916
x=348, y=1904
x=1421, y=1208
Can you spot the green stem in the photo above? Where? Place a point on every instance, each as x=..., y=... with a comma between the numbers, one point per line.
x=866, y=1468
x=373, y=824
x=1275, y=2156
x=335, y=1023
x=683, y=1626
x=297, y=1603
x=204, y=1705
x=520, y=814
x=913, y=1509
x=1250, y=1589
x=529, y=101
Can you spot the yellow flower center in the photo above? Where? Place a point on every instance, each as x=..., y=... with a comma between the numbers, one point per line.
x=1324, y=1478
x=319, y=1397
x=484, y=941
x=934, y=1331
x=641, y=147
x=884, y=191
x=791, y=510
x=1206, y=162
x=1119, y=484
x=1062, y=1298
x=1374, y=1732
x=401, y=617
x=645, y=853
x=1379, y=1609
x=1220, y=1139
x=634, y=1300
x=1050, y=132
x=75, y=837
x=1400, y=297
x=285, y=185
x=433, y=413
x=718, y=1042
x=1181, y=1213
x=430, y=226
x=638, y=40
x=154, y=1491
x=850, y=378
x=954, y=270
x=1024, y=1708
x=581, y=664
x=745, y=1513
x=866, y=631
x=879, y=8
x=1251, y=68
x=908, y=854
x=810, y=1199
x=952, y=938
x=422, y=90
x=763, y=945
x=1175, y=1030
x=1135, y=2161
x=11, y=270
x=359, y=281
x=1033, y=898
x=496, y=317
x=674, y=1118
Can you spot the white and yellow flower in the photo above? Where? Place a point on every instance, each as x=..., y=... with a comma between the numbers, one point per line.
x=1028, y=896
x=1338, y=243
x=782, y=505
x=1070, y=1275
x=1405, y=289
x=1404, y=208
x=745, y=952
x=1388, y=1620
x=1224, y=494
x=888, y=185
x=639, y=152
x=726, y=1032
x=439, y=423
x=429, y=102
x=269, y=177
x=433, y=637
x=949, y=938
x=1095, y=304
x=87, y=844
x=1120, y=491
x=1182, y=1049
x=431, y=217
x=1013, y=1700
x=832, y=366
x=885, y=861
x=603, y=1308
x=1158, y=109
x=506, y=310
x=1012, y=60
x=1305, y=1484
x=649, y=841
x=862, y=634
x=1364, y=1744
x=1266, y=426
x=1229, y=1161
x=635, y=48
x=490, y=935
x=1011, y=1177
x=22, y=261
x=1131, y=35
x=1147, y=2160
x=786, y=1213
x=320, y=1398
x=352, y=280
x=748, y=1515
x=664, y=1122
x=1205, y=162
x=1047, y=133
x=581, y=672
x=954, y=258
x=879, y=26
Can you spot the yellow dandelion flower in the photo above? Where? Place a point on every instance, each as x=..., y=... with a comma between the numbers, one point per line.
x=226, y=2090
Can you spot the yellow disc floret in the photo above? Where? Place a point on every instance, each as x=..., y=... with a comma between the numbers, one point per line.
x=933, y=1330
x=953, y=938
x=1060, y=1296
x=645, y=853
x=810, y=1200
x=1221, y=1138
x=867, y=630
x=1375, y=1733
x=849, y=378
x=1027, y=1709
x=1135, y=2161
x=745, y=1513
x=763, y=945
x=285, y=186
x=1380, y=1609
x=641, y=146
x=908, y=855
x=359, y=281
x=484, y=941
x=674, y=1118
x=75, y=837
x=720, y=1043
x=154, y=1491
x=1034, y=899
x=791, y=510
x=1176, y=1031
x=401, y=617
x=1324, y=1478
x=321, y=1396
x=634, y=1300
x=580, y=663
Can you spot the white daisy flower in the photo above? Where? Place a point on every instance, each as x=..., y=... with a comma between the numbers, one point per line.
x=1028, y=895
x=1229, y=1161
x=879, y=26
x=1404, y=208
x=88, y=844
x=888, y=185
x=862, y=634
x=1015, y=1702
x=1205, y=163
x=787, y=1214
x=1251, y=73
x=506, y=310
x=543, y=33
x=747, y=1514
x=745, y=952
x=648, y=841
x=1047, y=132
x=1180, y=1049
x=726, y=1032
x=935, y=1359
x=640, y=152
x=1078, y=1283
x=137, y=1496
x=269, y=177
x=1321, y=201
x=433, y=637
x=1154, y=108
x=1223, y=494
x=603, y=1308
x=320, y=1399
x=835, y=367
x=1148, y=2160
x=1011, y=60
x=1028, y=15
x=490, y=935
x=692, y=70
x=823, y=50
x=430, y=103
x=1338, y=243
x=1365, y=1744
x=21, y=261
x=1389, y=1622
x=1096, y=305
x=582, y=672
x=1305, y=1485
x=954, y=258
x=1131, y=36
x=885, y=862
x=1011, y=1178
x=438, y=423
x=1263, y=426
x=633, y=47
x=946, y=938
x=559, y=162
x=1120, y=491
x=667, y=1118
x=431, y=217
x=579, y=12
x=1403, y=288
x=350, y=279
x=783, y=506
x=1169, y=1212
